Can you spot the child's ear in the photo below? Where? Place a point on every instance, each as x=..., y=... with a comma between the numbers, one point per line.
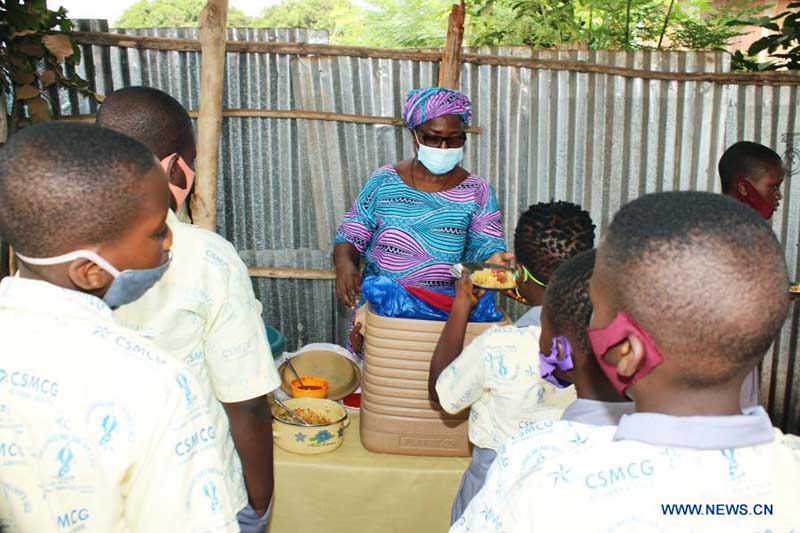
x=631, y=353
x=175, y=172
x=561, y=350
x=741, y=187
x=87, y=276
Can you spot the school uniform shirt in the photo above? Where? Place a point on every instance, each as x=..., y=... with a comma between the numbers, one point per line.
x=203, y=312
x=532, y=317
x=651, y=473
x=99, y=430
x=597, y=413
x=497, y=377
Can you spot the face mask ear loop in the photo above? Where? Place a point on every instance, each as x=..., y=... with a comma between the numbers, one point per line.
x=71, y=256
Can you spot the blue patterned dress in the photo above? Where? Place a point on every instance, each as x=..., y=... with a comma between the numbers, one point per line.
x=413, y=237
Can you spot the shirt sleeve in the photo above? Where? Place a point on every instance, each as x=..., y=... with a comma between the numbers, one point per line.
x=179, y=484
x=488, y=510
x=462, y=382
x=485, y=232
x=238, y=357
x=359, y=222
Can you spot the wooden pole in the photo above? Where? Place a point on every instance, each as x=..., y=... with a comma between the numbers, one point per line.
x=290, y=273
x=286, y=114
x=323, y=50
x=213, y=24
x=450, y=67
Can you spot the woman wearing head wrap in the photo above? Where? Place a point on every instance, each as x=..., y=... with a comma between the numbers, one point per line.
x=415, y=218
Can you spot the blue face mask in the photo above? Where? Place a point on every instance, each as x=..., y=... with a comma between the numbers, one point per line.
x=439, y=160
x=127, y=286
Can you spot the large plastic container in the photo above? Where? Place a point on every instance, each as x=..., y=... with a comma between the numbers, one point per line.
x=396, y=415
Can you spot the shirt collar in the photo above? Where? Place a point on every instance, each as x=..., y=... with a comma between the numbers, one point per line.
x=596, y=413
x=43, y=297
x=172, y=218
x=751, y=428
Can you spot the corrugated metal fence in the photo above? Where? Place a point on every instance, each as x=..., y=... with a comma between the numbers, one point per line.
x=596, y=139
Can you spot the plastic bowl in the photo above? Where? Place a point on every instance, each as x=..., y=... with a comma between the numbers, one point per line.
x=276, y=340
x=311, y=387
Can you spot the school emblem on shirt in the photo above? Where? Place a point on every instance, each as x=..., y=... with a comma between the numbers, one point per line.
x=67, y=456
x=111, y=425
x=183, y=383
x=204, y=492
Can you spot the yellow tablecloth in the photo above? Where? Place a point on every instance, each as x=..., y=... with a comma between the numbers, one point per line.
x=353, y=490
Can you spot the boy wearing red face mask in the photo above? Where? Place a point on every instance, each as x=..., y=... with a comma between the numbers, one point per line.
x=203, y=311
x=752, y=174
x=668, y=329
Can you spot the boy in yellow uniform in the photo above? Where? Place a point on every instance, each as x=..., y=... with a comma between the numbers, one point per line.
x=203, y=311
x=669, y=329
x=99, y=430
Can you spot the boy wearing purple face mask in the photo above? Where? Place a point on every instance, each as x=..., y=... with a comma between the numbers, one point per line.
x=668, y=329
x=497, y=378
x=566, y=356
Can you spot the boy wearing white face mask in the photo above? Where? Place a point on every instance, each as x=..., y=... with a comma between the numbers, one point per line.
x=84, y=447
x=203, y=311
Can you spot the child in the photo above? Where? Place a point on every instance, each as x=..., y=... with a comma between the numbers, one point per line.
x=753, y=174
x=85, y=446
x=566, y=354
x=203, y=311
x=546, y=235
x=681, y=350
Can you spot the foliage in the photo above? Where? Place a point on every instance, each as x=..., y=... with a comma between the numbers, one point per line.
x=173, y=14
x=782, y=46
x=606, y=24
x=33, y=53
x=405, y=23
x=342, y=18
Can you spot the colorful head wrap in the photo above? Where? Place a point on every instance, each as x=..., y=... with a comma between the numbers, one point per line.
x=425, y=104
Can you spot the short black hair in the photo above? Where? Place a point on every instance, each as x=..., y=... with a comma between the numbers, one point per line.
x=703, y=274
x=549, y=233
x=64, y=185
x=566, y=300
x=150, y=116
x=746, y=159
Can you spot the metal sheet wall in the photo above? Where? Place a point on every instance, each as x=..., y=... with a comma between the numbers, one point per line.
x=595, y=139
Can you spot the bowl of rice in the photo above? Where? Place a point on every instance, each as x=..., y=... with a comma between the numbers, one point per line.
x=323, y=433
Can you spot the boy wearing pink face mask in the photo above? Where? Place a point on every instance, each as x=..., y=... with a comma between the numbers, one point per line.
x=752, y=174
x=669, y=330
x=203, y=311
x=566, y=357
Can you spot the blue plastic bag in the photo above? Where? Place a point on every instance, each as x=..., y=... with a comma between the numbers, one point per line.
x=390, y=299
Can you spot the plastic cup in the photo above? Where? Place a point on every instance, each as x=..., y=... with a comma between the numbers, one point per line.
x=310, y=387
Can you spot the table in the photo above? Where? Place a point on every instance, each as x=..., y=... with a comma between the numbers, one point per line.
x=352, y=490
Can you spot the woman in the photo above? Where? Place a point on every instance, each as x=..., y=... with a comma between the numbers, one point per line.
x=415, y=218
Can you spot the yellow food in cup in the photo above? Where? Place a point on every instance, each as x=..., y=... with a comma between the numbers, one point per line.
x=494, y=278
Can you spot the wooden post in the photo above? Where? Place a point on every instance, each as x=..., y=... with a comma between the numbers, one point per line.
x=213, y=29
x=450, y=67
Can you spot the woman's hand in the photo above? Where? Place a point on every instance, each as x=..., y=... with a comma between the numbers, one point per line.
x=348, y=283
x=467, y=295
x=500, y=258
x=348, y=276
